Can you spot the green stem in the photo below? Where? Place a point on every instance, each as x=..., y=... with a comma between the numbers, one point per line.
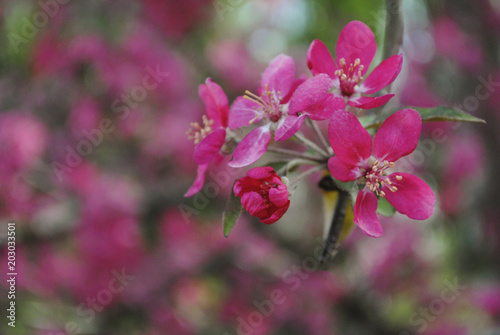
x=293, y=153
x=320, y=136
x=311, y=145
x=307, y=173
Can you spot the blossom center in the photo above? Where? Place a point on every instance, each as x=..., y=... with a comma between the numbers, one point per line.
x=269, y=105
x=198, y=132
x=350, y=76
x=376, y=178
x=264, y=192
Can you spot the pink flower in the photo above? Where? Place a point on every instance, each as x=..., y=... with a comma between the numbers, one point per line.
x=263, y=194
x=355, y=50
x=209, y=137
x=358, y=158
x=281, y=106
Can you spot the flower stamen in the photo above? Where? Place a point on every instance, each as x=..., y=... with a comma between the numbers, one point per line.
x=198, y=132
x=350, y=76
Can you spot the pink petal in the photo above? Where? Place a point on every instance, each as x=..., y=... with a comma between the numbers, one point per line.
x=296, y=83
x=260, y=172
x=369, y=102
x=279, y=75
x=319, y=59
x=365, y=213
x=242, y=112
x=288, y=127
x=276, y=215
x=253, y=203
x=398, y=135
x=279, y=197
x=342, y=171
x=209, y=146
x=310, y=93
x=350, y=141
x=198, y=182
x=251, y=148
x=413, y=196
x=326, y=108
x=384, y=74
x=216, y=102
x=356, y=40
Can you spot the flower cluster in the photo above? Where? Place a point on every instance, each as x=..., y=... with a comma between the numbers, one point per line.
x=338, y=92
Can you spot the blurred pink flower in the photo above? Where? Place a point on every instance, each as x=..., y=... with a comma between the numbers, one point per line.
x=453, y=43
x=24, y=139
x=234, y=63
x=175, y=18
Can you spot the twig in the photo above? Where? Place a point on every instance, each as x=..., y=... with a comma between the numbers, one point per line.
x=293, y=153
x=307, y=173
x=393, y=28
x=320, y=136
x=311, y=145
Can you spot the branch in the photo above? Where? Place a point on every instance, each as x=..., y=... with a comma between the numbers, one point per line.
x=393, y=28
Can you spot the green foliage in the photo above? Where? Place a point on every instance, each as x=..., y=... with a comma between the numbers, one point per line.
x=440, y=113
x=232, y=213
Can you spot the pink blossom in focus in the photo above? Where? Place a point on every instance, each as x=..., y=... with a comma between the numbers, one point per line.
x=359, y=158
x=281, y=106
x=210, y=136
x=355, y=50
x=263, y=194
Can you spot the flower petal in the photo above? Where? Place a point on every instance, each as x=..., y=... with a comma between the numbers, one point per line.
x=295, y=83
x=288, y=127
x=350, y=141
x=384, y=74
x=253, y=203
x=209, y=146
x=343, y=171
x=325, y=109
x=278, y=214
x=365, y=213
x=369, y=102
x=260, y=172
x=279, y=75
x=319, y=59
x=242, y=112
x=278, y=196
x=216, y=102
x=252, y=147
x=413, y=196
x=310, y=93
x=356, y=40
x=198, y=182
x=398, y=135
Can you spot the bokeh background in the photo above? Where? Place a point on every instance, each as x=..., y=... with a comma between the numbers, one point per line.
x=94, y=162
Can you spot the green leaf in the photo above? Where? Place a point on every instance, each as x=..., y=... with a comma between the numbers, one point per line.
x=385, y=208
x=440, y=113
x=232, y=213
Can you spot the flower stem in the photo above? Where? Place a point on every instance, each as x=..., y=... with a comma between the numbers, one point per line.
x=320, y=136
x=393, y=28
x=294, y=153
x=311, y=145
x=307, y=173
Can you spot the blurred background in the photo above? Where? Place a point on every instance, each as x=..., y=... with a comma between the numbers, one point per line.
x=95, y=100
